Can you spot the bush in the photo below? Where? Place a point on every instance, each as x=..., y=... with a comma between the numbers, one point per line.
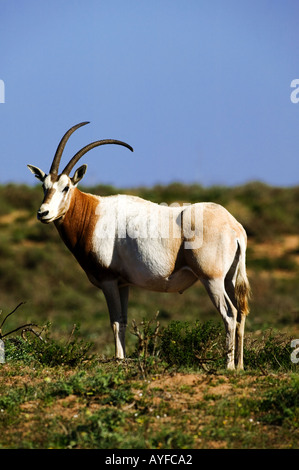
x=271, y=351
x=185, y=345
x=48, y=352
x=203, y=344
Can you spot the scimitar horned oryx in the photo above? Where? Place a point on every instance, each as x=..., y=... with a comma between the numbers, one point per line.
x=123, y=241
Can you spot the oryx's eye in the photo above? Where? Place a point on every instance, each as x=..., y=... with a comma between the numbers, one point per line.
x=66, y=189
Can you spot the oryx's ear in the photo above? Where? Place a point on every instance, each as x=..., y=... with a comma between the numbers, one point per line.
x=39, y=174
x=79, y=174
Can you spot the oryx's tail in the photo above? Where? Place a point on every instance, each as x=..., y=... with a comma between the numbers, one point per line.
x=242, y=287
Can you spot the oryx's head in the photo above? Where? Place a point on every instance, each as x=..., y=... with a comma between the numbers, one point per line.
x=58, y=188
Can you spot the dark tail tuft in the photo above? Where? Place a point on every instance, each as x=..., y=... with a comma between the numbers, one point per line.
x=242, y=288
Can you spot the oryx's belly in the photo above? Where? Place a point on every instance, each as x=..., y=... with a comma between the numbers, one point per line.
x=149, y=265
x=178, y=281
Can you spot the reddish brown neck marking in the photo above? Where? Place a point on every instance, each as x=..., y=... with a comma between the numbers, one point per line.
x=76, y=228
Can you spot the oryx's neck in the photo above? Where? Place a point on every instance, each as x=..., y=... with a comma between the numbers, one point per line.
x=77, y=226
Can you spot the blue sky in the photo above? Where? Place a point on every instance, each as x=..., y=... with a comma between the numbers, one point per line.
x=200, y=89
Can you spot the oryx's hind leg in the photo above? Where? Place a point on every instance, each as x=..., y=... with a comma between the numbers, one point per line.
x=228, y=312
x=117, y=302
x=240, y=327
x=238, y=290
x=240, y=322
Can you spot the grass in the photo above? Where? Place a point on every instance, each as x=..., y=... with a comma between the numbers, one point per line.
x=54, y=396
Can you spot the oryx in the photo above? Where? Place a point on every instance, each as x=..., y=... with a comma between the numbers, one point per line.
x=123, y=241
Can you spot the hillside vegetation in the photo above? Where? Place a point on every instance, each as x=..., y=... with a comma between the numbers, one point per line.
x=37, y=269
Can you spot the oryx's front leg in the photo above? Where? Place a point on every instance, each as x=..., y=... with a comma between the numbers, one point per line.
x=117, y=302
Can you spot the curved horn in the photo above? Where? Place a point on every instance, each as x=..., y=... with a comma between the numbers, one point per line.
x=61, y=145
x=88, y=147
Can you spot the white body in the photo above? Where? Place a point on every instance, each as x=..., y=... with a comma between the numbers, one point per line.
x=131, y=237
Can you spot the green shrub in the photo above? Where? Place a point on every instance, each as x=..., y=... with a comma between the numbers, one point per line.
x=271, y=351
x=203, y=344
x=183, y=344
x=48, y=351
